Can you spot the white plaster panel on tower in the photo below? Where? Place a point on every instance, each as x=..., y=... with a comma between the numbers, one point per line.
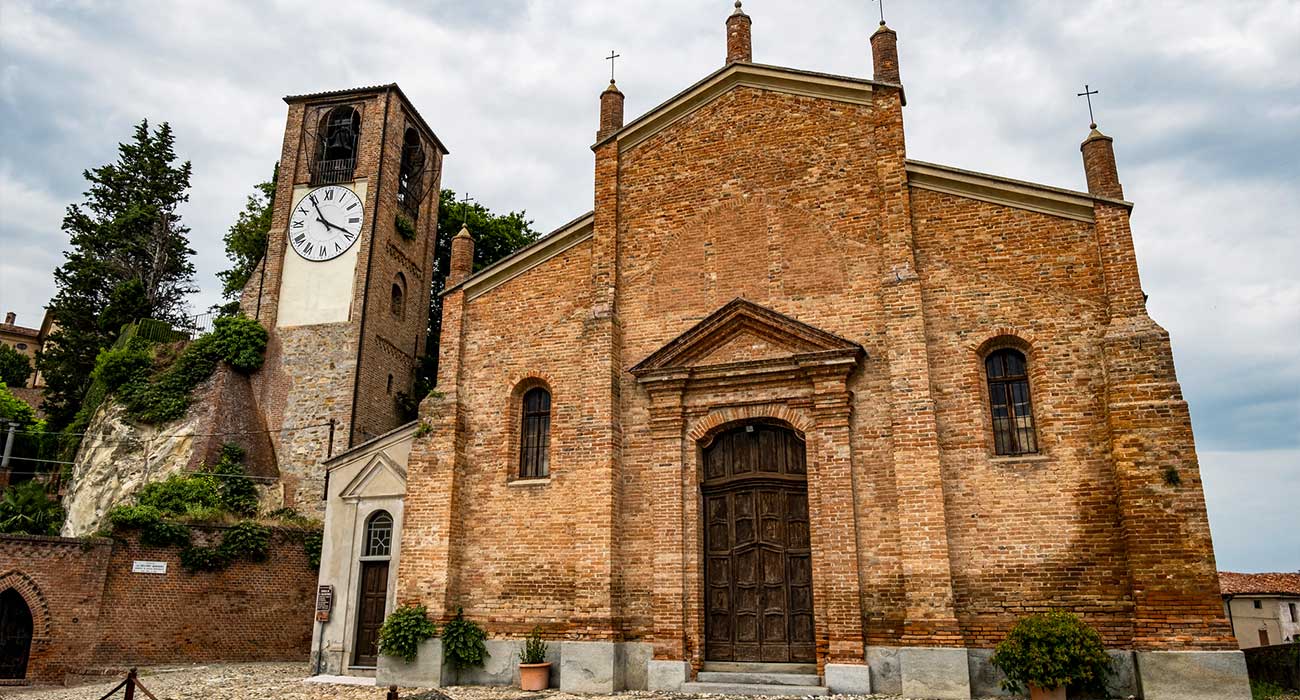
x=313, y=292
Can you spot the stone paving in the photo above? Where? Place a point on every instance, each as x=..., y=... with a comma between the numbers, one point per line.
x=284, y=681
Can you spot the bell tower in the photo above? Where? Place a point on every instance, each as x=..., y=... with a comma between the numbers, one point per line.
x=344, y=286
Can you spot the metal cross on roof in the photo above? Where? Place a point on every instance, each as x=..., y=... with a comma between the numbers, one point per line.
x=465, y=199
x=1088, y=93
x=611, y=58
x=882, y=11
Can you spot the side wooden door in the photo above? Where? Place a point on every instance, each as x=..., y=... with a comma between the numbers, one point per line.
x=370, y=612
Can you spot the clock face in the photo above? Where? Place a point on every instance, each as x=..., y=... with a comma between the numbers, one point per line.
x=326, y=223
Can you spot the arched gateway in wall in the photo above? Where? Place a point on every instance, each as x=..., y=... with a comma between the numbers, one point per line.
x=758, y=555
x=15, y=634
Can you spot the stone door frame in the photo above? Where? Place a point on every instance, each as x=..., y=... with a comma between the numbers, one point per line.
x=805, y=389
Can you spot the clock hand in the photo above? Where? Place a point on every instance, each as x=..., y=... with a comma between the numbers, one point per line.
x=329, y=225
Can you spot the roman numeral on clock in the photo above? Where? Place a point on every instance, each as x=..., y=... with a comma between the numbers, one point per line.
x=354, y=219
x=298, y=223
x=329, y=195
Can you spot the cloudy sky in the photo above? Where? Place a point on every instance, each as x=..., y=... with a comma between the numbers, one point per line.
x=1203, y=99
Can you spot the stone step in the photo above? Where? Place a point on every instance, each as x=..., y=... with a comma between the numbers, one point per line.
x=753, y=689
x=738, y=678
x=756, y=667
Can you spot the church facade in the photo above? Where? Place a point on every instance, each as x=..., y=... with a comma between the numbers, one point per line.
x=786, y=396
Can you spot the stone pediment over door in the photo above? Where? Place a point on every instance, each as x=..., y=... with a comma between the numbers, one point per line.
x=745, y=339
x=380, y=478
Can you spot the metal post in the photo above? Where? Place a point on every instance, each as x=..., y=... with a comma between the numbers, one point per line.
x=9, y=445
x=392, y=693
x=130, y=685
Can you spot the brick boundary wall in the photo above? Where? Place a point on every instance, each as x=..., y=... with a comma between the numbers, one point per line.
x=90, y=612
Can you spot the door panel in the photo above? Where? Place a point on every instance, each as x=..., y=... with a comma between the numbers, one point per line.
x=370, y=611
x=758, y=560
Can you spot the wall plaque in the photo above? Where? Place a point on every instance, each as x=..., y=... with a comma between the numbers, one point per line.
x=148, y=567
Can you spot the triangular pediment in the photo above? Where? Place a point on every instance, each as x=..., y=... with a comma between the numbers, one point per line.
x=734, y=75
x=744, y=333
x=381, y=477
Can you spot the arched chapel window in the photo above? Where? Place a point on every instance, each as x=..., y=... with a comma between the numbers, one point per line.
x=535, y=434
x=379, y=535
x=339, y=135
x=410, y=182
x=1010, y=403
x=398, y=301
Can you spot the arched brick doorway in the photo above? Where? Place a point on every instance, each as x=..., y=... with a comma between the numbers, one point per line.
x=15, y=634
x=758, y=555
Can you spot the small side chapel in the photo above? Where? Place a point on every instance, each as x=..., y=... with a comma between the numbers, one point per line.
x=810, y=418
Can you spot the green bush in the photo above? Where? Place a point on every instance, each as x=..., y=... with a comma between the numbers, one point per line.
x=180, y=494
x=134, y=517
x=405, y=227
x=1264, y=690
x=311, y=546
x=236, y=491
x=204, y=559
x=26, y=509
x=118, y=367
x=165, y=534
x=1050, y=650
x=246, y=540
x=462, y=642
x=403, y=631
x=241, y=342
x=534, y=651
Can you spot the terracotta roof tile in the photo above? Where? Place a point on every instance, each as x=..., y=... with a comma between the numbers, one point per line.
x=1276, y=583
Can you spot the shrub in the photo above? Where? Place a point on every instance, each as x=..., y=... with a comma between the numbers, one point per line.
x=462, y=642
x=26, y=509
x=1050, y=650
x=165, y=534
x=129, y=364
x=405, y=227
x=311, y=546
x=15, y=367
x=241, y=341
x=403, y=631
x=534, y=651
x=180, y=494
x=236, y=491
x=247, y=540
x=134, y=517
x=204, y=559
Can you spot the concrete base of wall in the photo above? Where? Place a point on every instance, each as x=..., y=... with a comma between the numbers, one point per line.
x=1193, y=675
x=590, y=667
x=424, y=672
x=886, y=677
x=938, y=673
x=666, y=675
x=848, y=679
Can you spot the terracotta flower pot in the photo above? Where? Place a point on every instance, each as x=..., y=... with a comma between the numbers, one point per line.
x=1036, y=693
x=538, y=676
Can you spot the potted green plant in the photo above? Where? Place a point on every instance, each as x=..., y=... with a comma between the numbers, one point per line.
x=534, y=669
x=1048, y=652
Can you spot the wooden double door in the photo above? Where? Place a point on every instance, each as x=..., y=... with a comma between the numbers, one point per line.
x=758, y=557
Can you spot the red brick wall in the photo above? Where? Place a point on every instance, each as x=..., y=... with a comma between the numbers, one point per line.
x=101, y=615
x=802, y=205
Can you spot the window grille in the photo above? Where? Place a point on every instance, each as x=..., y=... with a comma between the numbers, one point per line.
x=535, y=434
x=1010, y=403
x=379, y=535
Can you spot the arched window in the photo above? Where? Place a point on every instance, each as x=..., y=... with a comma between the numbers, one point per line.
x=339, y=135
x=535, y=434
x=379, y=535
x=398, y=301
x=1009, y=403
x=410, y=179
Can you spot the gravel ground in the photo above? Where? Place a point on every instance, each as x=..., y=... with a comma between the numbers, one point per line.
x=284, y=682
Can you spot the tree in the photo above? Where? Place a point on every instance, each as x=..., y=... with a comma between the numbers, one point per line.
x=246, y=240
x=495, y=237
x=15, y=367
x=129, y=259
